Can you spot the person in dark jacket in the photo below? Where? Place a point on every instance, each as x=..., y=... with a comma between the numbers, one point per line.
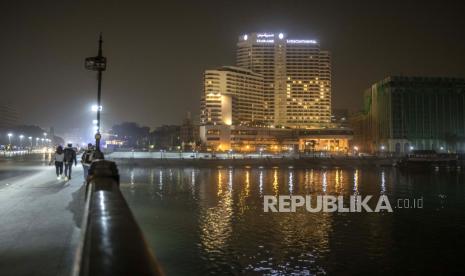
x=70, y=157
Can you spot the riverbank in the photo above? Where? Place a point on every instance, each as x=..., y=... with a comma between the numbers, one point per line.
x=346, y=162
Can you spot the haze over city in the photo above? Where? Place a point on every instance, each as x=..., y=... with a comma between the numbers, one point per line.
x=157, y=51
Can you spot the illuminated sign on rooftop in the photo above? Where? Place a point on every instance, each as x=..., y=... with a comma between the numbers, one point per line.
x=301, y=41
x=265, y=35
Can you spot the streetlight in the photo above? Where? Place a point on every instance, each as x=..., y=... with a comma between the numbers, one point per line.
x=9, y=137
x=37, y=141
x=99, y=64
x=21, y=140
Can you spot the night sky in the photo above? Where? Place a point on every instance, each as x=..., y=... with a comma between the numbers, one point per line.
x=158, y=50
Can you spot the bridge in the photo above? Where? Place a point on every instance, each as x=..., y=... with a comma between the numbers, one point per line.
x=46, y=224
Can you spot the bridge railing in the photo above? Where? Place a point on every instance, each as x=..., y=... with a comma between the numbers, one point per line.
x=111, y=242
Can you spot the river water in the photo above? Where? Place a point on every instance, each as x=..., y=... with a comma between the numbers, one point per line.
x=211, y=221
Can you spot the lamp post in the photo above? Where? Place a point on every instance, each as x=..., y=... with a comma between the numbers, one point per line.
x=9, y=137
x=37, y=141
x=99, y=64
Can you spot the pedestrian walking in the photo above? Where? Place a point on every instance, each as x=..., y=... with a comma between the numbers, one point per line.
x=58, y=158
x=69, y=159
x=86, y=159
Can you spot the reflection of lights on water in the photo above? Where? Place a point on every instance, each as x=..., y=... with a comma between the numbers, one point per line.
x=291, y=181
x=132, y=177
x=324, y=182
x=275, y=181
x=230, y=180
x=247, y=183
x=356, y=181
x=261, y=182
x=160, y=180
x=220, y=183
x=152, y=176
x=383, y=182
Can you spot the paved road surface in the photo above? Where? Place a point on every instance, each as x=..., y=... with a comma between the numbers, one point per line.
x=39, y=219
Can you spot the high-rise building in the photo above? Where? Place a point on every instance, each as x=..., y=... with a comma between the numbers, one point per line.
x=297, y=78
x=8, y=117
x=405, y=113
x=232, y=95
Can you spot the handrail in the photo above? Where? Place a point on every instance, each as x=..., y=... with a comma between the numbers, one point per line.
x=111, y=241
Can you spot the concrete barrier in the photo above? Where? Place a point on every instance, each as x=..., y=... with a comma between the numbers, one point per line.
x=111, y=242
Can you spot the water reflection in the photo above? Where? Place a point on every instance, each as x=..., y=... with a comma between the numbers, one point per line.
x=211, y=221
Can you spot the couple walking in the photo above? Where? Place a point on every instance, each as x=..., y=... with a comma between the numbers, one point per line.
x=64, y=157
x=67, y=157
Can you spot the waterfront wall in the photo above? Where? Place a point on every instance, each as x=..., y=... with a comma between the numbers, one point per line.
x=145, y=159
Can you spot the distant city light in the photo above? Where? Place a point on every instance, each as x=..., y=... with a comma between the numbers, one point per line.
x=442, y=148
x=281, y=35
x=411, y=147
x=383, y=147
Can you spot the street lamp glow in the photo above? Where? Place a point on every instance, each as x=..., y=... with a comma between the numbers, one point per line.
x=383, y=147
x=442, y=148
x=21, y=137
x=411, y=147
x=30, y=137
x=96, y=108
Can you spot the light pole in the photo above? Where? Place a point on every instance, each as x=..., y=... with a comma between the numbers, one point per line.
x=37, y=141
x=99, y=64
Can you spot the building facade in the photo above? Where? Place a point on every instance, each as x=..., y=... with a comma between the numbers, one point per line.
x=232, y=95
x=253, y=139
x=8, y=117
x=405, y=113
x=297, y=78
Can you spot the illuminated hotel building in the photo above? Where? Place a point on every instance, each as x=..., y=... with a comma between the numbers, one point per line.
x=232, y=95
x=297, y=78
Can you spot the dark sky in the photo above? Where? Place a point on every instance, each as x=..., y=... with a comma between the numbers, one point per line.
x=157, y=50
